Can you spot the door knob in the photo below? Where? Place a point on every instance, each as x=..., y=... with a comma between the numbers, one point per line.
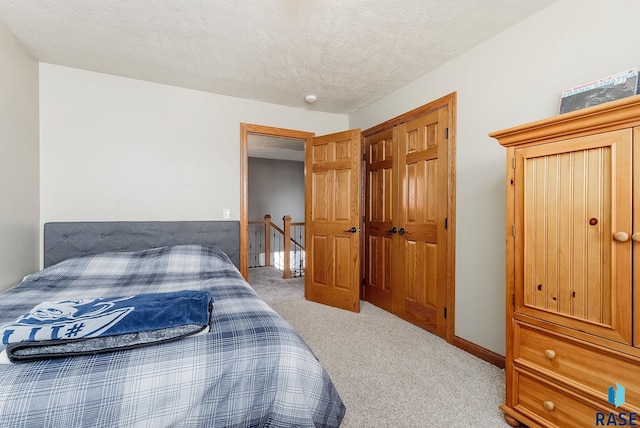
x=401, y=231
x=636, y=236
x=352, y=230
x=621, y=236
x=392, y=230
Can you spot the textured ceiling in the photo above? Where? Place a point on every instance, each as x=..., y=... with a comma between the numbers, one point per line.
x=348, y=53
x=268, y=147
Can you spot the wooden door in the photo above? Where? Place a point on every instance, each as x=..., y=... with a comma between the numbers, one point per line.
x=422, y=214
x=381, y=193
x=332, y=217
x=571, y=199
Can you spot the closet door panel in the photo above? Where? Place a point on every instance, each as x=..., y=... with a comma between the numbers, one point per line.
x=422, y=168
x=380, y=216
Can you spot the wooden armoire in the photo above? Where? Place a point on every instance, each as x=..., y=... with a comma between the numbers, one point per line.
x=573, y=245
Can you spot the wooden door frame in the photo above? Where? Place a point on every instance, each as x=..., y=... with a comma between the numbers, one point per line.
x=448, y=102
x=245, y=130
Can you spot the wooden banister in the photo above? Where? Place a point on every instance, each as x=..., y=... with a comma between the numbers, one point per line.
x=288, y=242
x=275, y=226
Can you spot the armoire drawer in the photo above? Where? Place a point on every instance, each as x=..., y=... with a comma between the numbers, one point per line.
x=545, y=403
x=560, y=356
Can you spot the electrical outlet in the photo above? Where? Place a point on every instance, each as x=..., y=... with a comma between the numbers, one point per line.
x=226, y=213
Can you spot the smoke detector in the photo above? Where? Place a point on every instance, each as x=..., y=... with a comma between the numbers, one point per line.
x=310, y=99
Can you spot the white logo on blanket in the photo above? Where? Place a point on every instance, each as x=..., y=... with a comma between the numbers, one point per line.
x=68, y=319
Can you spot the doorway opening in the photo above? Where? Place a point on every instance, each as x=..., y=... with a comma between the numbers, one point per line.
x=264, y=142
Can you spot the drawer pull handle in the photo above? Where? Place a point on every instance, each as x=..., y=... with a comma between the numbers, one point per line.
x=549, y=354
x=549, y=405
x=621, y=236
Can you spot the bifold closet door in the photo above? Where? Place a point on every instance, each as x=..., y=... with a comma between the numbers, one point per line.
x=381, y=206
x=406, y=209
x=422, y=212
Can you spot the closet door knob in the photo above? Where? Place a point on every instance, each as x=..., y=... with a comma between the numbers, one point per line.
x=392, y=230
x=549, y=405
x=549, y=354
x=621, y=236
x=636, y=236
x=401, y=231
x=352, y=230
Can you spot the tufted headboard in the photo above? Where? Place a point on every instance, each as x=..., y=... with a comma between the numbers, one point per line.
x=63, y=240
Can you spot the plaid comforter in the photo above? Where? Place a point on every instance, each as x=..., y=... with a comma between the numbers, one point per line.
x=252, y=369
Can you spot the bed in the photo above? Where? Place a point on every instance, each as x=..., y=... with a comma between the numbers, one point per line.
x=251, y=369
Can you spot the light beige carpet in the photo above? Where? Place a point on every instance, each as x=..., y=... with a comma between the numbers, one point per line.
x=269, y=284
x=391, y=373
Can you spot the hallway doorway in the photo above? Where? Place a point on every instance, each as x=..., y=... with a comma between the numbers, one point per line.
x=259, y=141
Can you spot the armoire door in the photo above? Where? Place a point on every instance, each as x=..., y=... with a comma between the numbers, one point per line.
x=573, y=213
x=636, y=236
x=332, y=217
x=422, y=220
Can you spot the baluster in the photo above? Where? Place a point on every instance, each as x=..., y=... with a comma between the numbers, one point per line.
x=286, y=239
x=258, y=243
x=260, y=238
x=267, y=241
x=295, y=251
x=252, y=239
x=300, y=268
x=276, y=242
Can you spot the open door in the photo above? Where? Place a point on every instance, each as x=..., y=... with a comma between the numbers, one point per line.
x=333, y=220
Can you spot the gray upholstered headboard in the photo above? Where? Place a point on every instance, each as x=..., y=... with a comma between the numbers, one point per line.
x=63, y=240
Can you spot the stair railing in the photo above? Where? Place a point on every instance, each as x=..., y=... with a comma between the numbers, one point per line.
x=284, y=247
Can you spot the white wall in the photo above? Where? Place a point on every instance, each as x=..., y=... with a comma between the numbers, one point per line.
x=114, y=148
x=276, y=187
x=19, y=193
x=514, y=78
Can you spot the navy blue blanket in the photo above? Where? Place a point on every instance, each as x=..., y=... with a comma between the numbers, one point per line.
x=87, y=326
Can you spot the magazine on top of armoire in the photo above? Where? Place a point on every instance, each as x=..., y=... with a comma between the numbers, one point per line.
x=609, y=88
